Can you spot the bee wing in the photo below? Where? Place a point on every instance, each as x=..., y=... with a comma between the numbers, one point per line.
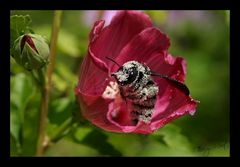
x=181, y=86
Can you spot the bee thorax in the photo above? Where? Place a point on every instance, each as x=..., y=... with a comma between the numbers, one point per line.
x=136, y=85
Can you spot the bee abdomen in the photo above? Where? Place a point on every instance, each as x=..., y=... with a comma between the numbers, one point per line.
x=142, y=113
x=143, y=92
x=143, y=110
x=143, y=101
x=149, y=102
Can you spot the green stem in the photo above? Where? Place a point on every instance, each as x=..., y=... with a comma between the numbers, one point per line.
x=41, y=76
x=35, y=77
x=38, y=77
x=61, y=130
x=46, y=86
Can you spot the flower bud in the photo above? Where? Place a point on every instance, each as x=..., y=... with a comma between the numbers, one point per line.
x=31, y=51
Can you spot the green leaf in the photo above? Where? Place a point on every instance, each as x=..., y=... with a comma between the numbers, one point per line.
x=167, y=141
x=216, y=150
x=127, y=144
x=59, y=83
x=30, y=127
x=69, y=148
x=18, y=26
x=61, y=117
x=21, y=92
x=96, y=140
x=63, y=78
x=65, y=73
x=14, y=67
x=154, y=148
x=81, y=132
x=173, y=138
x=16, y=122
x=59, y=110
x=14, y=146
x=220, y=150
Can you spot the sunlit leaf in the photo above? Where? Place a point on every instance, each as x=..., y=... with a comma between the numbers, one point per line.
x=167, y=141
x=63, y=78
x=154, y=148
x=59, y=83
x=69, y=148
x=22, y=90
x=81, y=132
x=127, y=144
x=174, y=139
x=63, y=70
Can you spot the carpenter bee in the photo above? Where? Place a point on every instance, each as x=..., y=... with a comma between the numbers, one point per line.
x=137, y=86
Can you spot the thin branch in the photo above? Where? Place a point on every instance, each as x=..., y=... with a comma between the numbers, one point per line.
x=45, y=89
x=62, y=129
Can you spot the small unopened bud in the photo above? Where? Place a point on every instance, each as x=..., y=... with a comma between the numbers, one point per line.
x=31, y=51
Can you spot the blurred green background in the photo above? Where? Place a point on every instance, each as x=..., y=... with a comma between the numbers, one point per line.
x=201, y=37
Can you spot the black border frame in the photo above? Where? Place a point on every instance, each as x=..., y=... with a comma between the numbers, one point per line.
x=122, y=4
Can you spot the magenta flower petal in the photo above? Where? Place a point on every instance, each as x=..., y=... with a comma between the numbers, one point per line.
x=143, y=46
x=171, y=104
x=100, y=112
x=123, y=27
x=129, y=36
x=168, y=65
x=95, y=108
x=92, y=80
x=97, y=28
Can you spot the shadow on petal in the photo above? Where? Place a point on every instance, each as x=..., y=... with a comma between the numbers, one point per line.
x=168, y=65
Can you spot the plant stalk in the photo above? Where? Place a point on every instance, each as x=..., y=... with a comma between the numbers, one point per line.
x=46, y=86
x=62, y=129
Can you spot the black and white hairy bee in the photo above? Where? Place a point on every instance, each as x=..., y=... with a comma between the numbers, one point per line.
x=136, y=84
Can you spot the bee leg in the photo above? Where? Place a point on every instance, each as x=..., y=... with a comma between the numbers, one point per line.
x=134, y=121
x=134, y=117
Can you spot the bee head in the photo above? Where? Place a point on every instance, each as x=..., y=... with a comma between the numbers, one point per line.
x=126, y=74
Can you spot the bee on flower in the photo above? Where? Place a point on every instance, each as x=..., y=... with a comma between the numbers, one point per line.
x=128, y=81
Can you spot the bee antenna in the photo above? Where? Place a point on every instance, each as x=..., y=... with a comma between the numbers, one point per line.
x=112, y=60
x=159, y=75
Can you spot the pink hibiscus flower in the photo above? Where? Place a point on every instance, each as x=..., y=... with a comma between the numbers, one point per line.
x=130, y=36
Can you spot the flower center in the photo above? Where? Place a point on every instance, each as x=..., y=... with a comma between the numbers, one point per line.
x=111, y=91
x=120, y=108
